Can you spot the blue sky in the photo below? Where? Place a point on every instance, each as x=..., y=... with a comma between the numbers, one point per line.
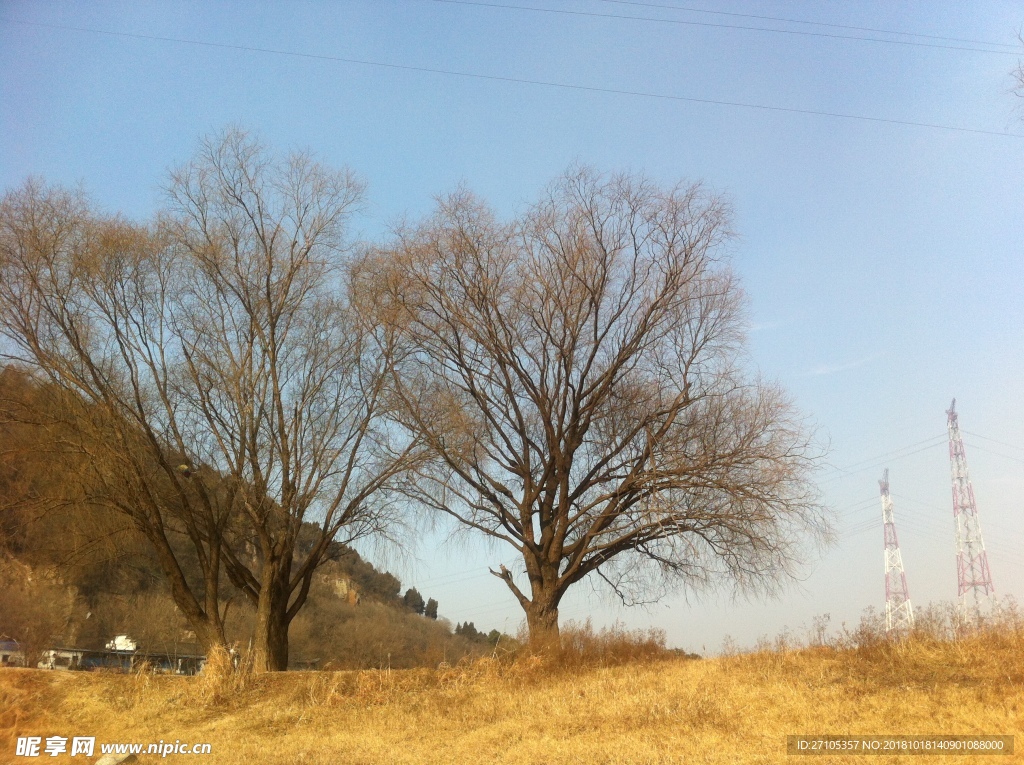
x=883, y=261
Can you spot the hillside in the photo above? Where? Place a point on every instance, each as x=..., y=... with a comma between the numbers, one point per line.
x=733, y=709
x=75, y=573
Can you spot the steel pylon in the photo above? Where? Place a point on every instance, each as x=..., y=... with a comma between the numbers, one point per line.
x=975, y=589
x=899, y=613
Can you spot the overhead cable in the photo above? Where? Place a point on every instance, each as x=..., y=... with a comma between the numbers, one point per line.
x=684, y=22
x=1013, y=46
x=522, y=81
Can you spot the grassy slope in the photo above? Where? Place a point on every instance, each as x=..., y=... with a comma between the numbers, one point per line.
x=736, y=709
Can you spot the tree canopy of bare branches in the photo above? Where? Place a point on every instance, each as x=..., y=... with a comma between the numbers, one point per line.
x=229, y=386
x=577, y=374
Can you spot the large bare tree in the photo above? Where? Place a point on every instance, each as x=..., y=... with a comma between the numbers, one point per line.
x=225, y=357
x=286, y=372
x=577, y=375
x=83, y=304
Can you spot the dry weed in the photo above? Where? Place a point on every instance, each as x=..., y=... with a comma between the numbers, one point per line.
x=528, y=710
x=227, y=677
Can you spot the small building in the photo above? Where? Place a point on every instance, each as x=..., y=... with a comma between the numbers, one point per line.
x=173, y=663
x=61, y=658
x=11, y=654
x=121, y=660
x=122, y=643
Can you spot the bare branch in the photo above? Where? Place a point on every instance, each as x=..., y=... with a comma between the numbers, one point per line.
x=576, y=374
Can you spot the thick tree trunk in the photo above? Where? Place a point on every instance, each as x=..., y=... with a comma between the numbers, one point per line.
x=271, y=643
x=206, y=623
x=271, y=637
x=209, y=636
x=542, y=621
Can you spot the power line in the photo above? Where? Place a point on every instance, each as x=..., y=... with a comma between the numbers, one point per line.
x=857, y=529
x=940, y=515
x=933, y=534
x=888, y=454
x=998, y=454
x=682, y=22
x=811, y=23
x=518, y=80
x=862, y=505
x=919, y=503
x=986, y=438
x=860, y=528
x=939, y=536
x=875, y=464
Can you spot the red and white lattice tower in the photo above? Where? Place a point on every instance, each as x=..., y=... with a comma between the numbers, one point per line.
x=899, y=614
x=973, y=575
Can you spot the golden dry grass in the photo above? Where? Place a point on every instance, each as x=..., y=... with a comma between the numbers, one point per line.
x=733, y=709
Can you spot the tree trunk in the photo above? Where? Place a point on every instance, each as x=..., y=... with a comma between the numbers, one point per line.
x=272, y=642
x=206, y=624
x=271, y=636
x=542, y=621
x=209, y=636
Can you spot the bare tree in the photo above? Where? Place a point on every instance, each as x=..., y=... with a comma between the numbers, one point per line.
x=230, y=384
x=577, y=375
x=285, y=372
x=84, y=302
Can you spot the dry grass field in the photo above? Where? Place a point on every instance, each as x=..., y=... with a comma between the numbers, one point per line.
x=735, y=709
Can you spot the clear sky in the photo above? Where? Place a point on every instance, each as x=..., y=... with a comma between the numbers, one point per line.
x=883, y=261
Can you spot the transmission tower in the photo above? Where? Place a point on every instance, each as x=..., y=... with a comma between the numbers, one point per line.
x=976, y=591
x=899, y=614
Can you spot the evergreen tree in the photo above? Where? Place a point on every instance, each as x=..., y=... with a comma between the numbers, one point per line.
x=414, y=601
